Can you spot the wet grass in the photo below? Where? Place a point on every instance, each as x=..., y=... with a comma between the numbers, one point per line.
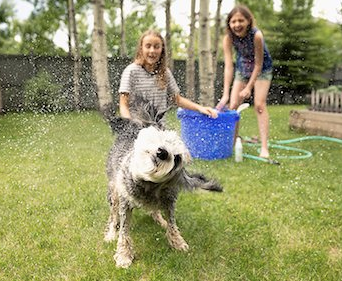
x=271, y=222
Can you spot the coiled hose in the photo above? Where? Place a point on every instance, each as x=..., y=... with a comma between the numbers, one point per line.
x=302, y=154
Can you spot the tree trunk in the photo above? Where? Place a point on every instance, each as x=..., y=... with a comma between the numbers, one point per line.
x=123, y=48
x=205, y=57
x=168, y=32
x=1, y=104
x=99, y=57
x=69, y=31
x=190, y=63
x=216, y=38
x=75, y=50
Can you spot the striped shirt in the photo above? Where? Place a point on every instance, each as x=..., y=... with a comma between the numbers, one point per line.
x=135, y=80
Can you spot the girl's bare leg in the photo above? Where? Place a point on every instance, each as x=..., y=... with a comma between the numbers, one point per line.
x=261, y=89
x=235, y=101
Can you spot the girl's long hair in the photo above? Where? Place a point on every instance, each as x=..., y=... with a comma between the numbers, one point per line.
x=161, y=64
x=245, y=12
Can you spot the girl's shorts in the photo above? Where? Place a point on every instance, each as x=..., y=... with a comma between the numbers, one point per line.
x=267, y=75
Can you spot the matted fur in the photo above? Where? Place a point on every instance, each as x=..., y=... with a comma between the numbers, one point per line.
x=145, y=169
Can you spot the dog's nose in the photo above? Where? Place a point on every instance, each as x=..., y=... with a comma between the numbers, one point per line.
x=162, y=154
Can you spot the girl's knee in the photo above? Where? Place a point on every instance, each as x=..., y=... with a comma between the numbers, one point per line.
x=260, y=108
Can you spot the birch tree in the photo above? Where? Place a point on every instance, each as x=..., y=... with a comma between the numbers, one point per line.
x=190, y=62
x=168, y=32
x=205, y=57
x=123, y=47
x=99, y=57
x=74, y=50
x=216, y=37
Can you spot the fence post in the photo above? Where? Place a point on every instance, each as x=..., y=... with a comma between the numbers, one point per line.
x=313, y=105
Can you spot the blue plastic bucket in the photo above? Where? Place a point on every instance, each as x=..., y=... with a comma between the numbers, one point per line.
x=208, y=138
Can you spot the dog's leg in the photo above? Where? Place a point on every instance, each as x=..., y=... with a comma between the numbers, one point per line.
x=124, y=251
x=158, y=218
x=173, y=234
x=113, y=221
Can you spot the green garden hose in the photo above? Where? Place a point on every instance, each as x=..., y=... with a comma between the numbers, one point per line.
x=303, y=154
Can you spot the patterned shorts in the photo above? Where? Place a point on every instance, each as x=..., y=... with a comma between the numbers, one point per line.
x=267, y=75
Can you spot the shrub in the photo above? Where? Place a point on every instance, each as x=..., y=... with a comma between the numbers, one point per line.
x=330, y=89
x=41, y=94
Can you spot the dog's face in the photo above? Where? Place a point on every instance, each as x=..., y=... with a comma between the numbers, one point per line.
x=158, y=155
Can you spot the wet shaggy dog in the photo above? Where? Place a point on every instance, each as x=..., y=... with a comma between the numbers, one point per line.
x=145, y=169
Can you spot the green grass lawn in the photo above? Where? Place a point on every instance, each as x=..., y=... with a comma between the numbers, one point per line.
x=270, y=223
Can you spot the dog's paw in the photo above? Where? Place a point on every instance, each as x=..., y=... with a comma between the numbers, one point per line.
x=176, y=240
x=181, y=246
x=123, y=261
x=124, y=254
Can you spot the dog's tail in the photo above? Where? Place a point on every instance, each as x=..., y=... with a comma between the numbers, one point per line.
x=143, y=112
x=192, y=181
x=147, y=113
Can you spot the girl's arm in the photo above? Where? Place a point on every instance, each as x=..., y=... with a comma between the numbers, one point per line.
x=228, y=70
x=124, y=105
x=188, y=104
x=259, y=59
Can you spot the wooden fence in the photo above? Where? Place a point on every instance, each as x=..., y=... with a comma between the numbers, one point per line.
x=328, y=100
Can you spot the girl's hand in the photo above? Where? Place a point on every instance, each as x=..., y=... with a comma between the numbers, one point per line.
x=208, y=111
x=245, y=93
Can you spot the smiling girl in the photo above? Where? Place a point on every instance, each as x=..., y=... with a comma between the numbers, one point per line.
x=253, y=68
x=149, y=77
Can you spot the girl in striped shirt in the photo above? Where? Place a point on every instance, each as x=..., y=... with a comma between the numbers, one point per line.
x=149, y=77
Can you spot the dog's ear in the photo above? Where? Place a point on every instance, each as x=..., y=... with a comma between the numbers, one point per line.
x=159, y=116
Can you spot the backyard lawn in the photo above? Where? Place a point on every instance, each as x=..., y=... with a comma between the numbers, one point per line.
x=272, y=222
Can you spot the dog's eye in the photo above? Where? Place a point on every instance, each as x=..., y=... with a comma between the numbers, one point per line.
x=178, y=160
x=162, y=154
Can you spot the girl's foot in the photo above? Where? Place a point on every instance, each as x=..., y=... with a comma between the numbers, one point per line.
x=264, y=153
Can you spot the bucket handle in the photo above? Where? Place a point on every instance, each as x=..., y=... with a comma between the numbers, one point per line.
x=242, y=107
